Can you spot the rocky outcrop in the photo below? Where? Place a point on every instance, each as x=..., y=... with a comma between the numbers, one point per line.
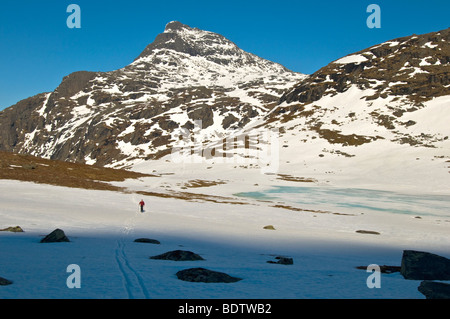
x=435, y=290
x=178, y=255
x=73, y=83
x=55, y=236
x=18, y=118
x=419, y=265
x=205, y=275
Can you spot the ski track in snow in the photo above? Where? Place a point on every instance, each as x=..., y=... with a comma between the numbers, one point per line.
x=133, y=282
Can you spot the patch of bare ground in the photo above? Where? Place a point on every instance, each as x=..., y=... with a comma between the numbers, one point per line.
x=194, y=197
x=198, y=183
x=335, y=137
x=59, y=173
x=297, y=209
x=289, y=178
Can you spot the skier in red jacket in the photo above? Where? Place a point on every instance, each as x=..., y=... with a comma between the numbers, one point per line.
x=142, y=204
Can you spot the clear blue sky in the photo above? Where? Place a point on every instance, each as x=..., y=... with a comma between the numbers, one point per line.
x=37, y=49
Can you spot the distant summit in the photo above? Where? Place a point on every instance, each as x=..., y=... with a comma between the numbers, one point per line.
x=198, y=43
x=115, y=118
x=175, y=25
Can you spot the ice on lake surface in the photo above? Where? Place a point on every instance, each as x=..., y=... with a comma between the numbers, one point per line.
x=355, y=200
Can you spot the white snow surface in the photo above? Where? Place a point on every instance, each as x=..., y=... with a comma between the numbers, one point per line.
x=354, y=58
x=102, y=226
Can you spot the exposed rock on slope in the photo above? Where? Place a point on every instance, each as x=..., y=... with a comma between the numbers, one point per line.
x=414, y=69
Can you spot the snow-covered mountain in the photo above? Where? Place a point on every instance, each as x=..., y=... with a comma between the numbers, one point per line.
x=383, y=92
x=389, y=99
x=186, y=75
x=375, y=118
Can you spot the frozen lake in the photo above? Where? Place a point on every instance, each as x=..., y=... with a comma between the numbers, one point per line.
x=355, y=200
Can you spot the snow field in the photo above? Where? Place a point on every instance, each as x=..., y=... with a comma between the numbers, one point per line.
x=102, y=226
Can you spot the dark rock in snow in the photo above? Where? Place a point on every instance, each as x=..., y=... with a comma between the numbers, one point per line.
x=5, y=282
x=418, y=265
x=178, y=255
x=147, y=240
x=205, y=275
x=282, y=261
x=367, y=232
x=434, y=290
x=55, y=236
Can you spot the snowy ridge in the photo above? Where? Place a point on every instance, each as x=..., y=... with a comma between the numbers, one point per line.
x=378, y=116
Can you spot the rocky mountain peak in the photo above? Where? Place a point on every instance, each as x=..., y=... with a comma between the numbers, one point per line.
x=179, y=39
x=183, y=39
x=184, y=76
x=175, y=26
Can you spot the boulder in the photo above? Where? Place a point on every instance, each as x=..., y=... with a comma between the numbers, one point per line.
x=270, y=227
x=419, y=265
x=55, y=236
x=282, y=261
x=205, y=275
x=14, y=229
x=434, y=290
x=5, y=282
x=178, y=255
x=371, y=232
x=147, y=240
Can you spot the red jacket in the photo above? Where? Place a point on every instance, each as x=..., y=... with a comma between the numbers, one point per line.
x=141, y=203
